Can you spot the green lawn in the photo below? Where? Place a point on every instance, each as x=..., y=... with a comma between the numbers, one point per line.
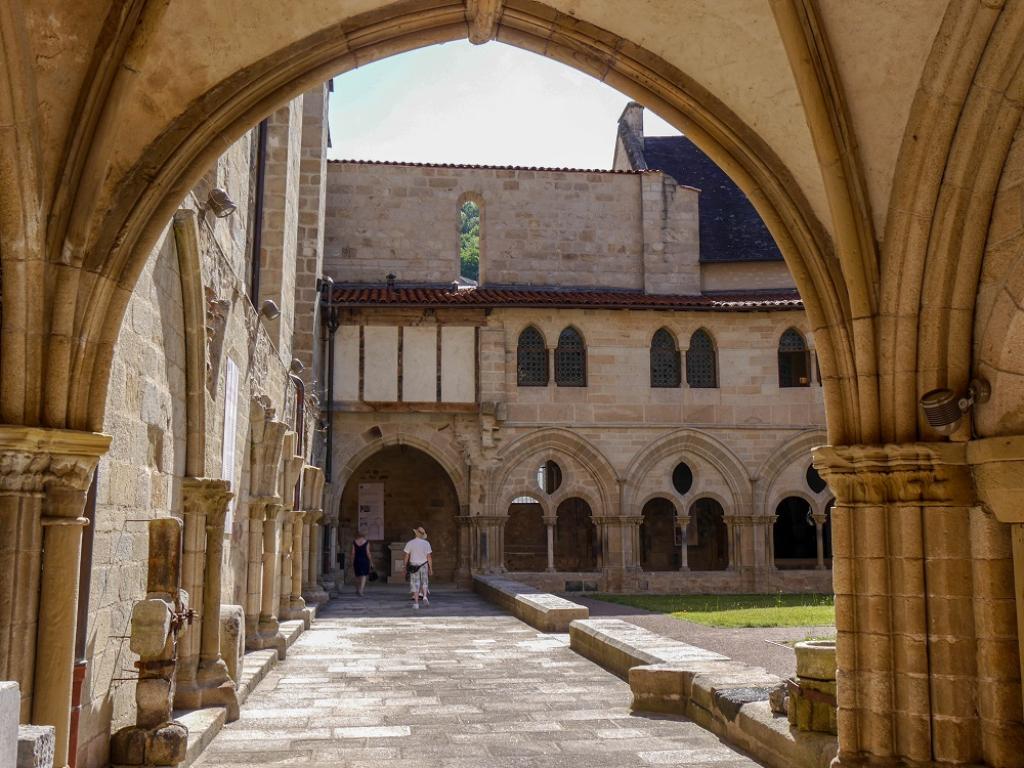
x=738, y=610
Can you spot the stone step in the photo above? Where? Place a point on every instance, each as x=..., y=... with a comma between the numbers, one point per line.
x=541, y=610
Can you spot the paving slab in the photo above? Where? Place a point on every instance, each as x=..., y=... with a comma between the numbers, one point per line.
x=461, y=683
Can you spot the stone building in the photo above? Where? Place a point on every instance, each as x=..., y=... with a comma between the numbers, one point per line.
x=627, y=401
x=880, y=142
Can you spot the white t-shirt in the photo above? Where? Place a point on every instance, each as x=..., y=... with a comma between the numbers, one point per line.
x=417, y=549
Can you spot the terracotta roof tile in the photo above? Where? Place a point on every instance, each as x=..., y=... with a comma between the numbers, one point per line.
x=473, y=166
x=414, y=296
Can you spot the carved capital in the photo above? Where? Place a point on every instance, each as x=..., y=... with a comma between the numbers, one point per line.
x=482, y=17
x=910, y=473
x=259, y=506
x=34, y=460
x=205, y=496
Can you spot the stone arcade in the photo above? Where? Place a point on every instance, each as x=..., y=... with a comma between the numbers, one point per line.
x=880, y=142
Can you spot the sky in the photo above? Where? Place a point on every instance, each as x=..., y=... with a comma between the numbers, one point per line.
x=490, y=104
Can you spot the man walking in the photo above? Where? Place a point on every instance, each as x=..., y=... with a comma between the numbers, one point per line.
x=419, y=565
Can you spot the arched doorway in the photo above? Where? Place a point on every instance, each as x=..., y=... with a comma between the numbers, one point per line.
x=414, y=490
x=575, y=538
x=794, y=536
x=526, y=543
x=658, y=548
x=707, y=538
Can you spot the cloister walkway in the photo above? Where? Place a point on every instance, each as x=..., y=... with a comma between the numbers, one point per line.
x=456, y=685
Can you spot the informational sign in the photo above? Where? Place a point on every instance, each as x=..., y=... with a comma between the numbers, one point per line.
x=371, y=510
x=227, y=459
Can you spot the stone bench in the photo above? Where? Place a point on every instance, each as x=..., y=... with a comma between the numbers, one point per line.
x=726, y=697
x=546, y=612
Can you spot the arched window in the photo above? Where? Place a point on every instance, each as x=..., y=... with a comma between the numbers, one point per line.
x=701, y=361
x=570, y=359
x=469, y=242
x=531, y=359
x=664, y=360
x=794, y=360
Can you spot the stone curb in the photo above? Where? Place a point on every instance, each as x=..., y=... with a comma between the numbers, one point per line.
x=204, y=724
x=541, y=610
x=726, y=697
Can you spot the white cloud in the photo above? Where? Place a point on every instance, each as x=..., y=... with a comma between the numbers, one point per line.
x=491, y=104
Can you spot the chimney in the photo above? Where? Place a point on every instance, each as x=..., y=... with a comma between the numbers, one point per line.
x=633, y=118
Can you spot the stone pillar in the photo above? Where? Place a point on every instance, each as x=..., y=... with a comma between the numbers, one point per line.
x=489, y=539
x=683, y=521
x=550, y=522
x=44, y=477
x=203, y=679
x=819, y=532
x=312, y=592
x=296, y=605
x=619, y=537
x=254, y=569
x=268, y=629
x=731, y=538
x=463, y=572
x=924, y=590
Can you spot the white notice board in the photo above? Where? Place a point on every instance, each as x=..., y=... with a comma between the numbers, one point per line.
x=371, y=510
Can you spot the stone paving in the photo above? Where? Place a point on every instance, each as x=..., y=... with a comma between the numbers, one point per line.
x=375, y=684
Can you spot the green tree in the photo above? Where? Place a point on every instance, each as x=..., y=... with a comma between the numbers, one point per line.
x=469, y=240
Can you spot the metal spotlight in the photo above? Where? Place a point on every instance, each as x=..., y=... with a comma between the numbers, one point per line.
x=270, y=310
x=220, y=203
x=296, y=366
x=944, y=409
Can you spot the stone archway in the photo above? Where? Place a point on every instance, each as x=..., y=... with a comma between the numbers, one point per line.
x=794, y=534
x=707, y=538
x=526, y=537
x=417, y=491
x=576, y=544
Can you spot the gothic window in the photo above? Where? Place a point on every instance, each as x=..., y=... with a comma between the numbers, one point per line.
x=701, y=361
x=664, y=360
x=794, y=360
x=531, y=359
x=570, y=359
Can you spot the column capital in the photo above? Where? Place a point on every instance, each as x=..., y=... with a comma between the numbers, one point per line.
x=274, y=509
x=34, y=460
x=908, y=473
x=259, y=506
x=206, y=496
x=314, y=516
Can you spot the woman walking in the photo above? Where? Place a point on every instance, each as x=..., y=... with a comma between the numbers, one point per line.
x=361, y=561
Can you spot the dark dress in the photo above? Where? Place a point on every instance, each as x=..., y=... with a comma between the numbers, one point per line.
x=362, y=559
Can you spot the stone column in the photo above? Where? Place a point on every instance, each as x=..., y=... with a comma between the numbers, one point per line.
x=683, y=521
x=296, y=605
x=463, y=573
x=731, y=538
x=203, y=678
x=550, y=522
x=284, y=576
x=268, y=629
x=312, y=592
x=819, y=532
x=489, y=538
x=924, y=588
x=254, y=569
x=44, y=478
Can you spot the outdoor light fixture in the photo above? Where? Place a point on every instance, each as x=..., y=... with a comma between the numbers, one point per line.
x=296, y=367
x=270, y=310
x=944, y=409
x=220, y=203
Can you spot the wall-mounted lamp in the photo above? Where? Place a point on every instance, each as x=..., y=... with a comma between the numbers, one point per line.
x=296, y=366
x=390, y=277
x=270, y=310
x=220, y=203
x=944, y=409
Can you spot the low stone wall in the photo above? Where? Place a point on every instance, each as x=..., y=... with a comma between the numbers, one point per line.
x=728, y=698
x=546, y=612
x=687, y=582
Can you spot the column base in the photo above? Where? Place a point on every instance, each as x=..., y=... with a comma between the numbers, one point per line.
x=165, y=744
x=267, y=635
x=315, y=594
x=294, y=608
x=212, y=687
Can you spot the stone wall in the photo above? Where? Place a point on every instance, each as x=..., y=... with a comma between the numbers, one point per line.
x=538, y=227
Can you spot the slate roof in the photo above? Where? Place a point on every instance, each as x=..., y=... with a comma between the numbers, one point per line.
x=730, y=228
x=483, y=298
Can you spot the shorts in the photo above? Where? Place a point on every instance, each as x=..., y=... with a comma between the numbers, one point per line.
x=418, y=581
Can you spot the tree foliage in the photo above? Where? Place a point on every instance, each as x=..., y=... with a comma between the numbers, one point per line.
x=469, y=240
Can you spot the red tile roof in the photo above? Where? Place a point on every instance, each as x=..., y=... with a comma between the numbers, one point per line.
x=473, y=166
x=746, y=301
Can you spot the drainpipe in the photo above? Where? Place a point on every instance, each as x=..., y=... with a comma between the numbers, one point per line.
x=329, y=317
x=257, y=219
x=82, y=621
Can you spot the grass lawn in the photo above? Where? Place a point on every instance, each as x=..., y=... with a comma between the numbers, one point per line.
x=734, y=611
